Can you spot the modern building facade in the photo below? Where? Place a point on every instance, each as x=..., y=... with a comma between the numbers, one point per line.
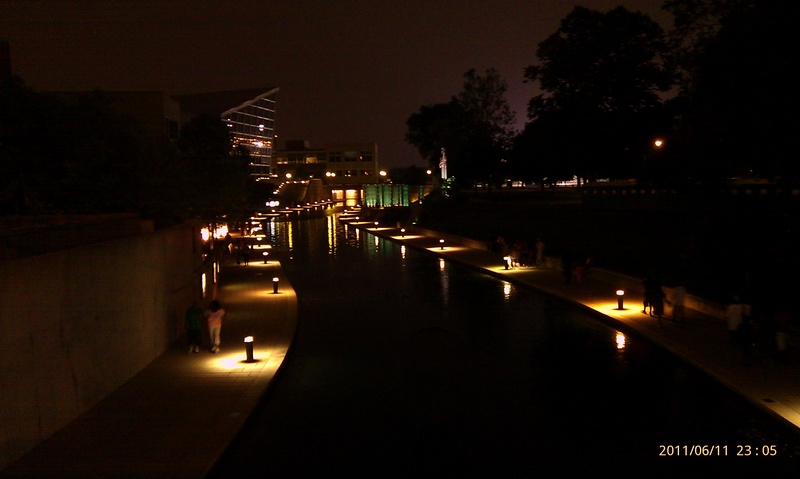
x=342, y=164
x=346, y=168
x=300, y=161
x=250, y=115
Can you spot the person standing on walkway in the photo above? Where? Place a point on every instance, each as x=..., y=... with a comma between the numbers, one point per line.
x=649, y=284
x=781, y=321
x=737, y=319
x=246, y=254
x=194, y=316
x=539, y=253
x=678, y=304
x=214, y=315
x=734, y=317
x=567, y=264
x=657, y=302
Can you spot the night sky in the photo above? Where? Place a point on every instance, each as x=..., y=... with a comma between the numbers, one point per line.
x=348, y=70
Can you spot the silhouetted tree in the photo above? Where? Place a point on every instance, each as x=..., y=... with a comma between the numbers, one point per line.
x=474, y=127
x=739, y=100
x=217, y=176
x=600, y=75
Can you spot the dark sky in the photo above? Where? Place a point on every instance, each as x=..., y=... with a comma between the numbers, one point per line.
x=348, y=70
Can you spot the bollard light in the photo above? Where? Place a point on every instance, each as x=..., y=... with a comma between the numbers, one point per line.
x=376, y=225
x=441, y=244
x=265, y=253
x=620, y=296
x=507, y=261
x=403, y=232
x=248, y=347
x=275, y=285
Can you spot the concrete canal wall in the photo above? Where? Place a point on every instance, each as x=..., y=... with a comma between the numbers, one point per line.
x=79, y=323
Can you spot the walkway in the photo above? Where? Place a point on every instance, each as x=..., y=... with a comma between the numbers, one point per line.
x=177, y=416
x=702, y=340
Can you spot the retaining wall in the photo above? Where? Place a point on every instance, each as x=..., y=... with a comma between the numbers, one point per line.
x=77, y=324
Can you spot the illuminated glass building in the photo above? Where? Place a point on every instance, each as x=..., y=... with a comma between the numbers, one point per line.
x=250, y=115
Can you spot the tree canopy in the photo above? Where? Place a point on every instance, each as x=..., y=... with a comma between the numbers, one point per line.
x=601, y=75
x=739, y=101
x=601, y=62
x=474, y=128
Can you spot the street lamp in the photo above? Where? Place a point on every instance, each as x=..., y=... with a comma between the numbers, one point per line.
x=248, y=348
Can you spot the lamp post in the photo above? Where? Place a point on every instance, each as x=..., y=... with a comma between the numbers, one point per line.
x=275, y=285
x=248, y=347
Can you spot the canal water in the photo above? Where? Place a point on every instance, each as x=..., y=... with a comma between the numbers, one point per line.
x=405, y=362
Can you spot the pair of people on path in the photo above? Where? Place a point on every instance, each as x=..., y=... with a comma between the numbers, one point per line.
x=214, y=315
x=653, y=298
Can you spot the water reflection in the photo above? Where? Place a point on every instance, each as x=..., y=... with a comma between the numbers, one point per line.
x=445, y=282
x=620, y=340
x=330, y=224
x=400, y=360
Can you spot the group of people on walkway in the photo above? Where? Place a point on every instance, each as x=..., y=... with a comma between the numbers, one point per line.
x=519, y=253
x=759, y=333
x=214, y=315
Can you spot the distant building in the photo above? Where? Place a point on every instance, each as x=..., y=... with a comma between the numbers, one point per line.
x=250, y=115
x=345, y=167
x=155, y=113
x=300, y=161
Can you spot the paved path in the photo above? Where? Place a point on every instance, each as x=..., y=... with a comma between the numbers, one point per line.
x=702, y=340
x=176, y=417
